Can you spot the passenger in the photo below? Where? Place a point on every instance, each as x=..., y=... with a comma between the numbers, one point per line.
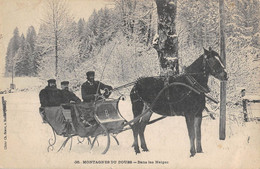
x=90, y=90
x=50, y=96
x=68, y=96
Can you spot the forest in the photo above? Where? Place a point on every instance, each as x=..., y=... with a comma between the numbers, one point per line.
x=117, y=42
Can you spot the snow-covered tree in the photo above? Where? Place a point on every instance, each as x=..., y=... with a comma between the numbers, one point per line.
x=56, y=34
x=80, y=27
x=12, y=48
x=31, y=40
x=23, y=66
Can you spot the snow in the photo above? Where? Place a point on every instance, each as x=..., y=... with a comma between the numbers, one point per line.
x=20, y=83
x=167, y=140
x=252, y=97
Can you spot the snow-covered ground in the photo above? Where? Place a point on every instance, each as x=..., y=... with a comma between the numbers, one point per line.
x=20, y=83
x=167, y=140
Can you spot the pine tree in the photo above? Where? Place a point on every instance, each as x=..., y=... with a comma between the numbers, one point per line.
x=31, y=40
x=16, y=40
x=91, y=29
x=243, y=23
x=12, y=48
x=9, y=59
x=80, y=28
x=23, y=62
x=31, y=37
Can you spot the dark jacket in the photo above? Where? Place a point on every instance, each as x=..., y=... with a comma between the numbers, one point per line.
x=88, y=91
x=50, y=96
x=69, y=96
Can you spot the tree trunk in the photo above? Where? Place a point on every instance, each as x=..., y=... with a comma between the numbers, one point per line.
x=149, y=28
x=56, y=54
x=167, y=42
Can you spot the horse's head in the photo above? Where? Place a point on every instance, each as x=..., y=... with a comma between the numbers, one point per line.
x=215, y=66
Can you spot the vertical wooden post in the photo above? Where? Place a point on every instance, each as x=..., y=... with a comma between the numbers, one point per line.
x=4, y=106
x=222, y=121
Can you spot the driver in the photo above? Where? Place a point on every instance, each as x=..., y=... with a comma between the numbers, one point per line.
x=90, y=90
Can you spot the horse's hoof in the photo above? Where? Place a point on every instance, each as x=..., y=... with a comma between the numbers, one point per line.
x=144, y=148
x=137, y=151
x=199, y=150
x=192, y=155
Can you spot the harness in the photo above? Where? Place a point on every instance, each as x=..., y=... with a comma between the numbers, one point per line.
x=195, y=84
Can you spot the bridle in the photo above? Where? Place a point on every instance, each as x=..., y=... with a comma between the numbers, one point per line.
x=207, y=61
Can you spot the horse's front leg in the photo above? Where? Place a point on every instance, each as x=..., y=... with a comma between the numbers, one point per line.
x=197, y=126
x=191, y=131
x=143, y=122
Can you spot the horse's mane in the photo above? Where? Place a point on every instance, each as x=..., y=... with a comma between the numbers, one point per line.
x=195, y=66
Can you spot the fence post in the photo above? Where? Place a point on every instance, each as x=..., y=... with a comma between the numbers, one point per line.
x=4, y=106
x=244, y=103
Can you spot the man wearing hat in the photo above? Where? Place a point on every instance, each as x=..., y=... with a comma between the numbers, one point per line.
x=68, y=96
x=91, y=88
x=50, y=95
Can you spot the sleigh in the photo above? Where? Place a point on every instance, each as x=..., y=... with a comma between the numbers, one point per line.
x=84, y=120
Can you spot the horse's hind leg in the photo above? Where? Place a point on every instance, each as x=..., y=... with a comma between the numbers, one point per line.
x=135, y=133
x=143, y=122
x=197, y=125
x=191, y=131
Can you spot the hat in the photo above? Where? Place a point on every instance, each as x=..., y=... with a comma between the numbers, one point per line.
x=51, y=81
x=64, y=82
x=90, y=73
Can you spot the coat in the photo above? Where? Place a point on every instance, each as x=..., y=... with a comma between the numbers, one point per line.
x=88, y=91
x=50, y=96
x=69, y=96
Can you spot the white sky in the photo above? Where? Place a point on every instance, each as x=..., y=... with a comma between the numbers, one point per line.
x=25, y=13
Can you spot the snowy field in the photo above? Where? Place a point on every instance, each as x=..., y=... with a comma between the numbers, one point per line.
x=167, y=140
x=21, y=83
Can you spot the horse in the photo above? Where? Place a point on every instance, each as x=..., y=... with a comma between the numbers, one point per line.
x=179, y=95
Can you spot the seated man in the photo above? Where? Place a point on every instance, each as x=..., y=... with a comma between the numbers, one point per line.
x=50, y=96
x=68, y=96
x=91, y=88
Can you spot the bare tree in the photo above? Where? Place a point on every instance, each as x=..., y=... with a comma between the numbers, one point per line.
x=56, y=20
